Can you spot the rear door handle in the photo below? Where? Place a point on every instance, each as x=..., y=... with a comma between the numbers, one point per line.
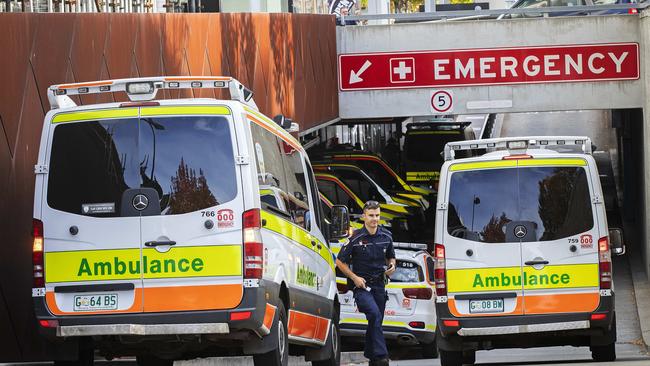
x=155, y=243
x=532, y=263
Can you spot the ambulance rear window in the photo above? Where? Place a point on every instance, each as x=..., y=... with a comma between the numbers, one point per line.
x=189, y=161
x=426, y=146
x=555, y=199
x=407, y=271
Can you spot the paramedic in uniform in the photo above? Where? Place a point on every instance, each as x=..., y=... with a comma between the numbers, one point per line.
x=363, y=260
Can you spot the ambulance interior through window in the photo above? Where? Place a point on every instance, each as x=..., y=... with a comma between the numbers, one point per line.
x=426, y=146
x=280, y=176
x=555, y=199
x=407, y=271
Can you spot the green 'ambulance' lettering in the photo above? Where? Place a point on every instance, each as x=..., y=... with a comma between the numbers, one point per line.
x=515, y=280
x=119, y=267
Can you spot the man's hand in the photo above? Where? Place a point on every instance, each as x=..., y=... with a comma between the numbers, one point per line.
x=359, y=282
x=390, y=270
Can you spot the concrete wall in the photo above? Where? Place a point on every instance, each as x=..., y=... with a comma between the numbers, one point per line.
x=644, y=34
x=287, y=60
x=492, y=34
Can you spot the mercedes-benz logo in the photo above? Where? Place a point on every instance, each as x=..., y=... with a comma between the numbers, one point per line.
x=140, y=202
x=520, y=231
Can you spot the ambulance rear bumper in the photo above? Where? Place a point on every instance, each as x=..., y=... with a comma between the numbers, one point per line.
x=141, y=329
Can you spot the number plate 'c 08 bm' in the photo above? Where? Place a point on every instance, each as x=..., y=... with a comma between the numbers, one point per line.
x=486, y=306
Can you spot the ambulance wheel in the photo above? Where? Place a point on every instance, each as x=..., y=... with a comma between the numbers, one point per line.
x=451, y=358
x=606, y=353
x=334, y=342
x=86, y=356
x=280, y=355
x=151, y=360
x=469, y=357
x=430, y=350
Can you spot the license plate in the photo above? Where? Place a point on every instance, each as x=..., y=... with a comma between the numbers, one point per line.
x=486, y=306
x=95, y=302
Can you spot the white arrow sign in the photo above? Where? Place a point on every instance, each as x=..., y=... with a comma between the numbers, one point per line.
x=355, y=76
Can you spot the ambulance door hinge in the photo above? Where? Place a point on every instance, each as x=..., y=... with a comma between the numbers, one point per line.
x=596, y=200
x=41, y=169
x=242, y=160
x=442, y=206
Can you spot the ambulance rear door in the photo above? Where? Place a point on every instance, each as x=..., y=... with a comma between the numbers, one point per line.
x=192, y=228
x=91, y=243
x=560, y=246
x=483, y=266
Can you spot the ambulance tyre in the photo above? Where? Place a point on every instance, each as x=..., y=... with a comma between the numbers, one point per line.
x=86, y=355
x=151, y=360
x=280, y=355
x=469, y=357
x=606, y=353
x=334, y=342
x=430, y=350
x=451, y=358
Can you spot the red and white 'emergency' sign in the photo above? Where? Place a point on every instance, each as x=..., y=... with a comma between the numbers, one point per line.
x=517, y=65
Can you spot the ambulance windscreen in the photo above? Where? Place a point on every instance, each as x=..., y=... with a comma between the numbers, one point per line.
x=556, y=200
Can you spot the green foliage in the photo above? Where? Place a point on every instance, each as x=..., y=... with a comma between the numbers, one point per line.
x=405, y=6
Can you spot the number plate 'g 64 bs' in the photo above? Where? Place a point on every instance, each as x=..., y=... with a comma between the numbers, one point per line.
x=95, y=302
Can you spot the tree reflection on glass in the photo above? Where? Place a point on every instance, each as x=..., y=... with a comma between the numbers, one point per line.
x=189, y=192
x=493, y=231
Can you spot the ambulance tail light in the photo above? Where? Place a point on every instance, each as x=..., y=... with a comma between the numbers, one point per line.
x=418, y=293
x=439, y=271
x=37, y=254
x=605, y=263
x=253, y=247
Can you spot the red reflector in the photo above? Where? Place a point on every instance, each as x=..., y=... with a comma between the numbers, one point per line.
x=451, y=323
x=419, y=325
x=139, y=104
x=598, y=316
x=49, y=323
x=242, y=315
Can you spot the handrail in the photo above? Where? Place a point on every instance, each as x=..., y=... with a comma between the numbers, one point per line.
x=474, y=14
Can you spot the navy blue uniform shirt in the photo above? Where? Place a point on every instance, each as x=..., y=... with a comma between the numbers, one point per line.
x=367, y=253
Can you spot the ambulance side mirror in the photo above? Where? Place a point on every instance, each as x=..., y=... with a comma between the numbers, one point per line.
x=340, y=222
x=616, y=242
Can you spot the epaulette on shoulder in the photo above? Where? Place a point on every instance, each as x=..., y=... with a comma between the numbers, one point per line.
x=356, y=235
x=385, y=231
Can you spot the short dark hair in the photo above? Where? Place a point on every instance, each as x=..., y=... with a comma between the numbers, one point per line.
x=370, y=205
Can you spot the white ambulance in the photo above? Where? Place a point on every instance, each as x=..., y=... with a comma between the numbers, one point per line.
x=522, y=253
x=152, y=237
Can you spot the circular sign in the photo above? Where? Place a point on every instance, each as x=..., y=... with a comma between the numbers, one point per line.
x=442, y=101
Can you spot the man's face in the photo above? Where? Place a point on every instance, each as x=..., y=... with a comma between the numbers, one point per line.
x=371, y=217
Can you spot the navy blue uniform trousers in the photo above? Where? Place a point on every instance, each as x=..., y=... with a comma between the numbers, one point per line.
x=373, y=303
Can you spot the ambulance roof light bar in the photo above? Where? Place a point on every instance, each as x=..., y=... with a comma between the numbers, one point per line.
x=518, y=143
x=145, y=88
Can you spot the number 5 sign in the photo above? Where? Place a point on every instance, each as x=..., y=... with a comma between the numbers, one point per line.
x=442, y=101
